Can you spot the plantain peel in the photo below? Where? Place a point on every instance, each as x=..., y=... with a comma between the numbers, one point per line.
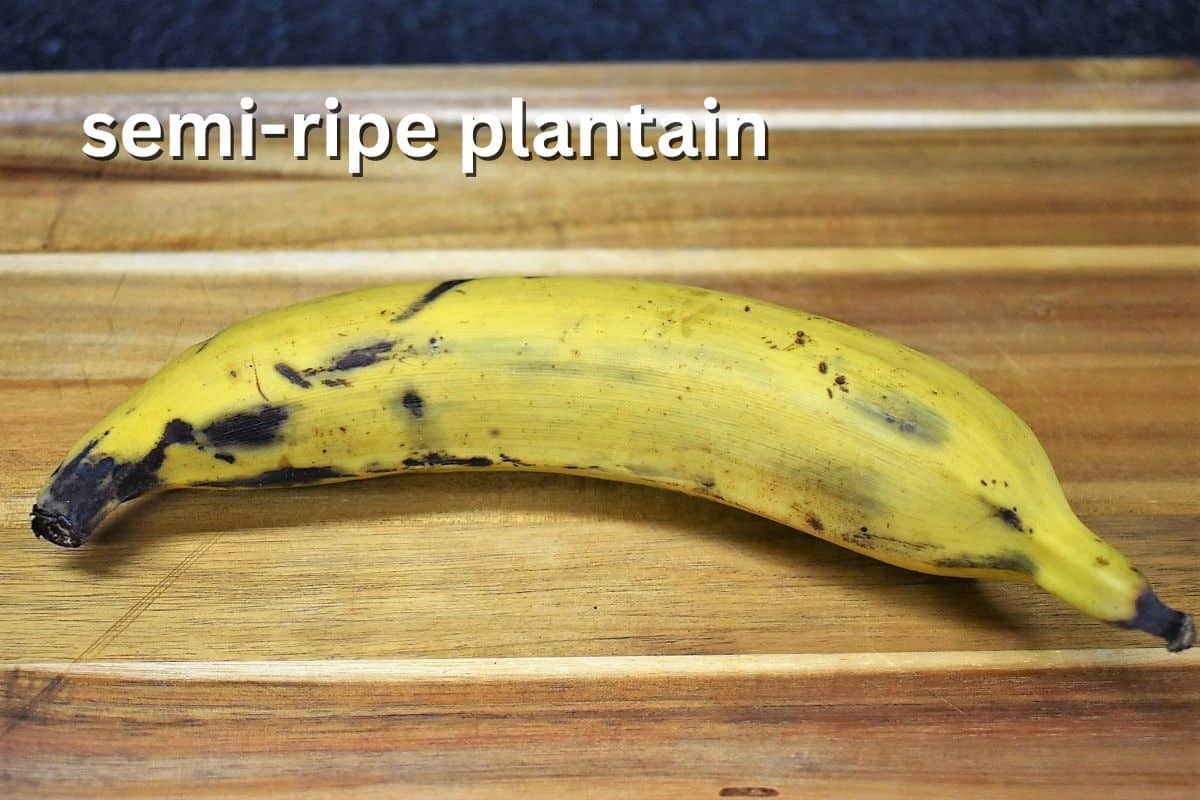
x=826, y=428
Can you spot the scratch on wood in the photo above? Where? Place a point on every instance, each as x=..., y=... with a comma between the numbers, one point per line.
x=120, y=283
x=55, y=684
x=59, y=210
x=175, y=338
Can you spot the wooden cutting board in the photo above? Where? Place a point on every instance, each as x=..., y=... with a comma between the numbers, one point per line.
x=1036, y=224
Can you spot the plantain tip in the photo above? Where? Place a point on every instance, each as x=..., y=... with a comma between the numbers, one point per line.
x=1158, y=619
x=1186, y=636
x=54, y=527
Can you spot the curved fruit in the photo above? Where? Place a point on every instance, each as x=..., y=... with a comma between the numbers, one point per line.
x=829, y=429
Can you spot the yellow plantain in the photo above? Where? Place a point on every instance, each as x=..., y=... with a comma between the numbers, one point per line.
x=801, y=419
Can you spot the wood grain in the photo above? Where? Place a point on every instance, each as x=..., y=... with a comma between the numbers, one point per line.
x=1078, y=186
x=993, y=725
x=543, y=634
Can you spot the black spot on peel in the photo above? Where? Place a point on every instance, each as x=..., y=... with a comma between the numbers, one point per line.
x=814, y=522
x=362, y=356
x=352, y=359
x=1011, y=518
x=419, y=305
x=516, y=462
x=285, y=476
x=414, y=404
x=86, y=488
x=78, y=476
x=255, y=428
x=142, y=476
x=292, y=375
x=74, y=462
x=440, y=459
x=78, y=459
x=1001, y=562
x=863, y=538
x=228, y=458
x=822, y=368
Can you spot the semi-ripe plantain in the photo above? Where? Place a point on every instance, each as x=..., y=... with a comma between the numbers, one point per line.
x=801, y=419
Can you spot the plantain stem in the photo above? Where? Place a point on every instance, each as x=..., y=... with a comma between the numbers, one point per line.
x=1186, y=636
x=55, y=528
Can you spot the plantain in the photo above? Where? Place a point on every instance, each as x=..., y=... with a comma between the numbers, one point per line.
x=829, y=429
